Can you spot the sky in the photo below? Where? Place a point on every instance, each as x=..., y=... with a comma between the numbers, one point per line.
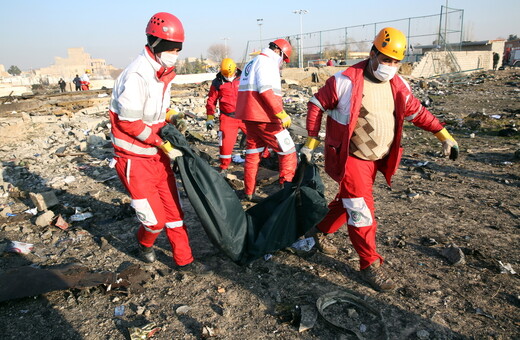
x=33, y=32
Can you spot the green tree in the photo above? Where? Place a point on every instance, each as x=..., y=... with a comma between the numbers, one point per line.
x=14, y=70
x=512, y=37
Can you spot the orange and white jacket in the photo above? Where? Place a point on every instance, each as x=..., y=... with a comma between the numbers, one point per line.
x=140, y=99
x=260, y=89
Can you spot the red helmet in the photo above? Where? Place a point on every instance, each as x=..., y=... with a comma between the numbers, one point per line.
x=285, y=47
x=165, y=26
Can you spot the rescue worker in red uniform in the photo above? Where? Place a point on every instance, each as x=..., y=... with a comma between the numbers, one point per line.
x=139, y=108
x=366, y=106
x=260, y=106
x=85, y=81
x=224, y=91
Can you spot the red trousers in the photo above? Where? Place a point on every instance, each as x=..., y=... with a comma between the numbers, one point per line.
x=259, y=137
x=355, y=202
x=151, y=184
x=229, y=127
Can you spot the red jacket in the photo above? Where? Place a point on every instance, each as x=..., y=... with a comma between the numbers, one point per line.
x=341, y=98
x=225, y=93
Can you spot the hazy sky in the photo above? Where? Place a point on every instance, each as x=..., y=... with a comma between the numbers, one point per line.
x=33, y=32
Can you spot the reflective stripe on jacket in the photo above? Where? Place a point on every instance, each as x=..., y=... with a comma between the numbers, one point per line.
x=341, y=97
x=260, y=90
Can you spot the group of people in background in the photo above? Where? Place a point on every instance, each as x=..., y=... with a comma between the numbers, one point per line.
x=80, y=83
x=366, y=106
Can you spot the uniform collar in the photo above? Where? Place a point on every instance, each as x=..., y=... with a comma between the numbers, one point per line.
x=270, y=53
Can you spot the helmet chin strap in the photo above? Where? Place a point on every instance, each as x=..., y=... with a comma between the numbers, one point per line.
x=155, y=43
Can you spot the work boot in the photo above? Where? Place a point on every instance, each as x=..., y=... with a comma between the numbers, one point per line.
x=223, y=172
x=376, y=276
x=195, y=268
x=323, y=242
x=147, y=254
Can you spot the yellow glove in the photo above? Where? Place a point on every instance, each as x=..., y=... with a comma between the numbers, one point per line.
x=308, y=149
x=171, y=115
x=209, y=122
x=450, y=147
x=285, y=118
x=168, y=149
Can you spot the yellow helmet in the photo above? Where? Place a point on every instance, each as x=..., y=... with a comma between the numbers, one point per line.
x=391, y=42
x=87, y=71
x=228, y=67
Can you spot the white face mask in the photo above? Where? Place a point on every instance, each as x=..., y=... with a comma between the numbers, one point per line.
x=385, y=72
x=280, y=62
x=168, y=59
x=230, y=78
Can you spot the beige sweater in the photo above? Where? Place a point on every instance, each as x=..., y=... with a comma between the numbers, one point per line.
x=375, y=126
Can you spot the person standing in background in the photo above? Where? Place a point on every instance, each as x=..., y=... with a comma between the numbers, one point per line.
x=62, y=84
x=224, y=91
x=77, y=83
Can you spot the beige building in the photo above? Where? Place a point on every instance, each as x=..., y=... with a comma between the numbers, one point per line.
x=76, y=62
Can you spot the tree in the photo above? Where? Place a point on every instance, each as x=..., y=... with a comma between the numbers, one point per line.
x=512, y=37
x=192, y=67
x=333, y=52
x=14, y=70
x=217, y=52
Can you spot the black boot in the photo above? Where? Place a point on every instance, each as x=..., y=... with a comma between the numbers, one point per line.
x=195, y=268
x=147, y=254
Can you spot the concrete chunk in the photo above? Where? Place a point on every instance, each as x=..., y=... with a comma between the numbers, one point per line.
x=44, y=200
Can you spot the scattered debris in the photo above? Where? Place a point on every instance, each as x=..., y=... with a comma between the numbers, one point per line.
x=143, y=333
x=480, y=311
x=305, y=244
x=454, y=255
x=506, y=268
x=19, y=247
x=309, y=315
x=367, y=318
x=80, y=216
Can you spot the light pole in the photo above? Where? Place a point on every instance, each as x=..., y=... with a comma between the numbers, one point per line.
x=260, y=22
x=225, y=47
x=301, y=12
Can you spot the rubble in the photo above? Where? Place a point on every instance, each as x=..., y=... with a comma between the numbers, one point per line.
x=56, y=150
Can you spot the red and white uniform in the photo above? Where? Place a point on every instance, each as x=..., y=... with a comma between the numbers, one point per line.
x=85, y=82
x=225, y=92
x=140, y=98
x=341, y=97
x=259, y=100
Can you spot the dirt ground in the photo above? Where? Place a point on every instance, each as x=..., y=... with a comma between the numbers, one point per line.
x=470, y=207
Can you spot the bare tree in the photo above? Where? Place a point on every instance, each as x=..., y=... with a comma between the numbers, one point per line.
x=217, y=52
x=331, y=51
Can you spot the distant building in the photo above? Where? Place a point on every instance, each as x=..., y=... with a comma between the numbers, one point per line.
x=3, y=72
x=76, y=63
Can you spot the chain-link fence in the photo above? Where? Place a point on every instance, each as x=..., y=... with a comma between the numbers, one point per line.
x=349, y=44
